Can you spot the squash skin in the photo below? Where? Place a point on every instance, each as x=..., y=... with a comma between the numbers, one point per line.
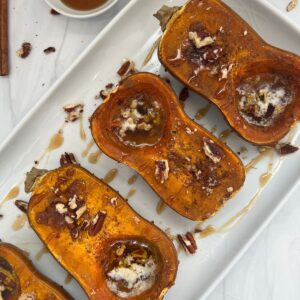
x=29, y=279
x=180, y=191
x=122, y=223
x=249, y=54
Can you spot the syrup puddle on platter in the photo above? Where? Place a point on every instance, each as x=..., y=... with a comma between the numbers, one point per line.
x=263, y=153
x=132, y=179
x=110, y=175
x=41, y=253
x=19, y=222
x=224, y=135
x=89, y=146
x=82, y=133
x=131, y=193
x=94, y=157
x=151, y=52
x=160, y=207
x=202, y=112
x=12, y=194
x=68, y=279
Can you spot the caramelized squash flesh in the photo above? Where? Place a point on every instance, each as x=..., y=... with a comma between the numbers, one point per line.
x=20, y=280
x=212, y=51
x=143, y=126
x=96, y=236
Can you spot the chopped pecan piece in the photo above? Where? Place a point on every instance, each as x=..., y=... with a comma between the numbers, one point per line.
x=49, y=50
x=211, y=150
x=284, y=149
x=126, y=69
x=103, y=94
x=184, y=94
x=25, y=50
x=97, y=223
x=22, y=205
x=68, y=159
x=161, y=170
x=74, y=111
x=188, y=242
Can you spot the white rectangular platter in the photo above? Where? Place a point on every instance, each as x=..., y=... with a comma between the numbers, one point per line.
x=131, y=35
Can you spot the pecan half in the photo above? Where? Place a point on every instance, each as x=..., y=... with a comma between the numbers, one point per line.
x=68, y=159
x=211, y=150
x=25, y=50
x=49, y=50
x=284, y=149
x=97, y=223
x=74, y=111
x=161, y=170
x=188, y=242
x=126, y=69
x=22, y=205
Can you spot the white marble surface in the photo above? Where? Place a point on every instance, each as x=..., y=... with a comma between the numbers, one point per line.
x=271, y=267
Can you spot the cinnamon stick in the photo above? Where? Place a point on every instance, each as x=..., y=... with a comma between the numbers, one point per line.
x=3, y=37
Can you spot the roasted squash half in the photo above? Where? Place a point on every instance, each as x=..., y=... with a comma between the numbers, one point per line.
x=20, y=280
x=212, y=51
x=99, y=239
x=143, y=126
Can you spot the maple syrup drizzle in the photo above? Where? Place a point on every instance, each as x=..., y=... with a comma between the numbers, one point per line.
x=41, y=252
x=12, y=194
x=68, y=279
x=202, y=112
x=110, y=175
x=19, y=222
x=132, y=179
x=81, y=129
x=86, y=151
x=160, y=207
x=94, y=157
x=131, y=193
x=151, y=52
x=258, y=158
x=224, y=135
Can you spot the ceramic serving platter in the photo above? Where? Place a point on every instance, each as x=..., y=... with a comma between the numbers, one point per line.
x=270, y=179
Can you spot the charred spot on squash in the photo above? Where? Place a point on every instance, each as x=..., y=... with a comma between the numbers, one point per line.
x=131, y=266
x=138, y=120
x=9, y=282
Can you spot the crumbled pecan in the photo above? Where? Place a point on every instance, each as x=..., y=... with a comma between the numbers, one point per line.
x=285, y=148
x=25, y=50
x=126, y=69
x=74, y=233
x=97, y=223
x=184, y=94
x=74, y=111
x=103, y=94
x=49, y=50
x=67, y=159
x=22, y=205
x=212, y=151
x=188, y=242
x=54, y=12
x=161, y=170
